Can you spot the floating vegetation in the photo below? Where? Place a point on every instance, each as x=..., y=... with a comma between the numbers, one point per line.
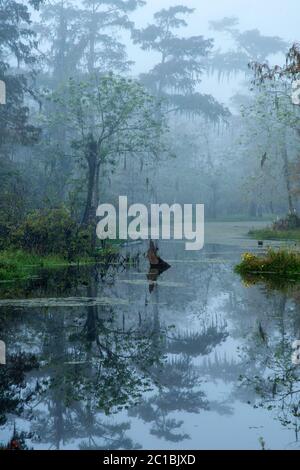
x=200, y=261
x=144, y=282
x=18, y=264
x=62, y=302
x=281, y=262
x=277, y=269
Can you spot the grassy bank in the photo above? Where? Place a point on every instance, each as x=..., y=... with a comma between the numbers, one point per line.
x=271, y=234
x=239, y=218
x=19, y=264
x=275, y=262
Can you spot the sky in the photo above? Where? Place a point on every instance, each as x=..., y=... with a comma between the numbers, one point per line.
x=274, y=17
x=271, y=17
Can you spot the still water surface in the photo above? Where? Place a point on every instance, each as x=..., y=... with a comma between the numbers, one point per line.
x=113, y=357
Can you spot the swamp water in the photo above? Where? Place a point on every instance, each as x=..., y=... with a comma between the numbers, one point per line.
x=114, y=357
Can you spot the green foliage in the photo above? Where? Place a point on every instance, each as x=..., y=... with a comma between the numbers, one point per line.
x=17, y=41
x=281, y=262
x=12, y=199
x=109, y=117
x=53, y=232
x=122, y=112
x=19, y=264
x=10, y=268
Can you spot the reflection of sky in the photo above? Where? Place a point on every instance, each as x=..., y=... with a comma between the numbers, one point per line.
x=242, y=426
x=194, y=293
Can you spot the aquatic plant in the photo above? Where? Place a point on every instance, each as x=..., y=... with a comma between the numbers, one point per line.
x=281, y=262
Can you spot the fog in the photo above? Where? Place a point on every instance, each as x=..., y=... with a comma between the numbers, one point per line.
x=271, y=18
x=206, y=61
x=125, y=321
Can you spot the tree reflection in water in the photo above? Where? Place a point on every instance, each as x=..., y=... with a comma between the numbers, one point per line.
x=78, y=377
x=88, y=365
x=267, y=356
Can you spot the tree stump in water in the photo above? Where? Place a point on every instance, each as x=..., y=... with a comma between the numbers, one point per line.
x=155, y=260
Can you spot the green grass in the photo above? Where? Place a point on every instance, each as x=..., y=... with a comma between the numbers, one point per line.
x=19, y=264
x=270, y=234
x=279, y=262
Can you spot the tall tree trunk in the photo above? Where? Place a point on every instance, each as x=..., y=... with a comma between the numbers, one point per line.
x=92, y=37
x=90, y=206
x=95, y=203
x=252, y=209
x=214, y=199
x=287, y=178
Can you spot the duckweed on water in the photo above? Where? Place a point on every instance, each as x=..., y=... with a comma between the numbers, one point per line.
x=70, y=302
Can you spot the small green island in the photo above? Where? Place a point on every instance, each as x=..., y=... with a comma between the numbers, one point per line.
x=281, y=263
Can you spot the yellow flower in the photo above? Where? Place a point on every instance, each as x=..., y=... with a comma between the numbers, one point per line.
x=248, y=257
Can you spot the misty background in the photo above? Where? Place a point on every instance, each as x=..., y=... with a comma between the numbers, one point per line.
x=113, y=344
x=271, y=18
x=179, y=107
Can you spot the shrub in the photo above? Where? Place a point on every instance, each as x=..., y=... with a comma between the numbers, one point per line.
x=5, y=231
x=282, y=262
x=52, y=232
